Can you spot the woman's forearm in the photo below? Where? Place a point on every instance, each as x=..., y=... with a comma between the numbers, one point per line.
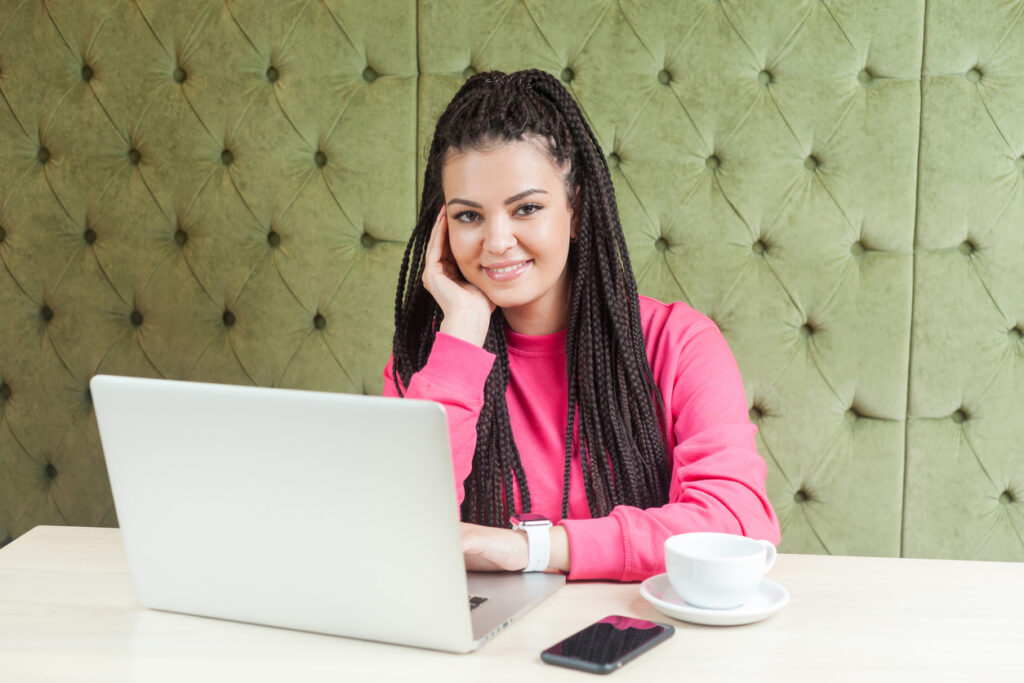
x=560, y=558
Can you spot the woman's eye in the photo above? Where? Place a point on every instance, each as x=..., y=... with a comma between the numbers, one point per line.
x=524, y=210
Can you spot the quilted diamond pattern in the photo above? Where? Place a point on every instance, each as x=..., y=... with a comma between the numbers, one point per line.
x=965, y=441
x=190, y=190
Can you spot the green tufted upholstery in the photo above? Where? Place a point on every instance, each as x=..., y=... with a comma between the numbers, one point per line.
x=965, y=436
x=222, y=190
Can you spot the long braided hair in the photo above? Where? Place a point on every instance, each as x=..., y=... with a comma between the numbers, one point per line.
x=610, y=381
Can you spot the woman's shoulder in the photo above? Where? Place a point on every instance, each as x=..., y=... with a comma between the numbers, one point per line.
x=677, y=335
x=658, y=317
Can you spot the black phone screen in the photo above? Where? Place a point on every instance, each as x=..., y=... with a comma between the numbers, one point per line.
x=607, y=644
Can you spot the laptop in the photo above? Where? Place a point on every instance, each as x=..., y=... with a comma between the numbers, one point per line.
x=324, y=512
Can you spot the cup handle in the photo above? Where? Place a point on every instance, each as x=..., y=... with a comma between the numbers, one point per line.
x=769, y=555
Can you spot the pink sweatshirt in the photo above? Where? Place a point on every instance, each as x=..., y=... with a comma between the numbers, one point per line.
x=718, y=477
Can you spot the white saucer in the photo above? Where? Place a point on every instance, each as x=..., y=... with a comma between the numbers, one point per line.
x=769, y=598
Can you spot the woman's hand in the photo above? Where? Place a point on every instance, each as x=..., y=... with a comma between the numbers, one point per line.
x=488, y=549
x=467, y=310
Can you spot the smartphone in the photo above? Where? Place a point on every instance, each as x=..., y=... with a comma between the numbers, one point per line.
x=606, y=645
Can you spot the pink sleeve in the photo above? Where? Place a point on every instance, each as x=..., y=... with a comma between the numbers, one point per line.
x=718, y=477
x=454, y=376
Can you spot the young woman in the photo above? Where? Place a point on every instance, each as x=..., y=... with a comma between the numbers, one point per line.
x=621, y=419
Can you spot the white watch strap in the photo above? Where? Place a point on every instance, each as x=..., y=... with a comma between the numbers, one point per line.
x=538, y=538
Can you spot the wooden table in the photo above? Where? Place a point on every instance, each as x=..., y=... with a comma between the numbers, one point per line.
x=67, y=613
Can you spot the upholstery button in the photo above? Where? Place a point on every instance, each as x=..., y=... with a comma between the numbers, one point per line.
x=181, y=237
x=320, y=158
x=967, y=247
x=88, y=395
x=51, y=471
x=369, y=75
x=568, y=75
x=614, y=160
x=664, y=77
x=1015, y=333
x=179, y=75
x=1018, y=163
x=136, y=318
x=759, y=247
x=134, y=156
x=811, y=163
x=661, y=244
x=272, y=74
x=89, y=236
x=319, y=321
x=801, y=496
x=755, y=414
x=1007, y=497
x=43, y=155
x=228, y=318
x=3, y=234
x=47, y=313
x=5, y=391
x=857, y=249
x=973, y=75
x=765, y=77
x=806, y=330
x=226, y=157
x=87, y=73
x=712, y=163
x=865, y=76
x=468, y=71
x=367, y=240
x=959, y=416
x=273, y=238
x=851, y=414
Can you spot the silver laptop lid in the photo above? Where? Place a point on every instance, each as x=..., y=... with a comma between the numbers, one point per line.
x=324, y=512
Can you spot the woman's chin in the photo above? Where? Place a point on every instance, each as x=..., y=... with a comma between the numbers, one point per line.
x=506, y=303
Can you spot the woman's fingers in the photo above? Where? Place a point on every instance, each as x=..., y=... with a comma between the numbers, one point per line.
x=445, y=256
x=467, y=310
x=434, y=265
x=433, y=253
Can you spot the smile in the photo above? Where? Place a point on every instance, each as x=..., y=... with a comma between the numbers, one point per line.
x=509, y=272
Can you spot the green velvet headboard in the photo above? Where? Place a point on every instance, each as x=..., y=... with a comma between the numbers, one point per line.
x=221, y=190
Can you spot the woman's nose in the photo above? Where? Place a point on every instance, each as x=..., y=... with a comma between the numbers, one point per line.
x=499, y=236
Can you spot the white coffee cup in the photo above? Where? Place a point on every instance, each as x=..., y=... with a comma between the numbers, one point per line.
x=716, y=571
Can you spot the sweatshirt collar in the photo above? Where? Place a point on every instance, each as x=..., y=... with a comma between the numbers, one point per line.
x=536, y=343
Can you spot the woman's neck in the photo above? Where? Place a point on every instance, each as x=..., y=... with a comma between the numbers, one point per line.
x=546, y=315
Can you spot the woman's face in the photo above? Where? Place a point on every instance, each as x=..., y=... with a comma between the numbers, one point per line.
x=509, y=225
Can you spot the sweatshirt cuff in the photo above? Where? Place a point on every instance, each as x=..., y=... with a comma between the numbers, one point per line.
x=596, y=548
x=456, y=366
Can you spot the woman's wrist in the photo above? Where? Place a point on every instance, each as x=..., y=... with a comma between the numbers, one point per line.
x=493, y=549
x=469, y=326
x=559, y=550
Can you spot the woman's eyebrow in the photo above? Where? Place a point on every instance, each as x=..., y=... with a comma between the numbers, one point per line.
x=513, y=198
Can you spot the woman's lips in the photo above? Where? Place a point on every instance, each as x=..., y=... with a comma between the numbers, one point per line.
x=508, y=271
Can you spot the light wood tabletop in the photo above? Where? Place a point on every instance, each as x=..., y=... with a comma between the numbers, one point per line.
x=67, y=613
